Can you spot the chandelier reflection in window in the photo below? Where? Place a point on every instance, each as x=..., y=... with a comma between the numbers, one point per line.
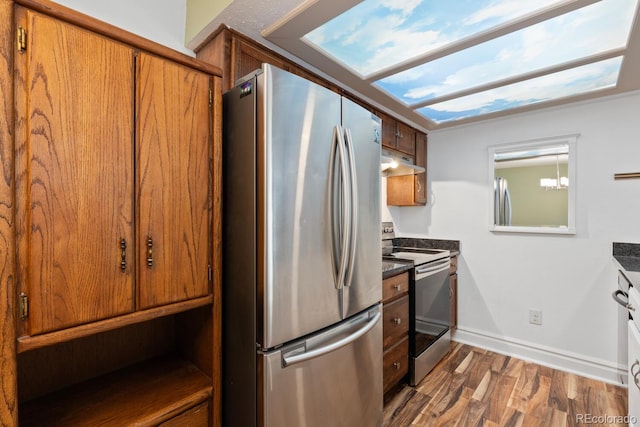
x=557, y=183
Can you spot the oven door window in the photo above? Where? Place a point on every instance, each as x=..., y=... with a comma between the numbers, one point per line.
x=431, y=308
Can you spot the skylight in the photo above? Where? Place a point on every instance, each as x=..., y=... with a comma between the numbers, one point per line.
x=444, y=62
x=574, y=81
x=378, y=33
x=591, y=30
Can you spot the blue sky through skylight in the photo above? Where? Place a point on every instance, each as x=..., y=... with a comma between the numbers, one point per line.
x=376, y=34
x=383, y=35
x=595, y=76
x=593, y=29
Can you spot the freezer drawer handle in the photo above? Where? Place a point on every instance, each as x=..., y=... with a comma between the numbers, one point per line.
x=616, y=297
x=288, y=360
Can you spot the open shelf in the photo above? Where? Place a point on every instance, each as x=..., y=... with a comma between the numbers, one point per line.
x=145, y=394
x=33, y=342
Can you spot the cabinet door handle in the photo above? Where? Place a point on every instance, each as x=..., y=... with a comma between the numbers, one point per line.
x=123, y=254
x=149, y=252
x=419, y=185
x=397, y=320
x=396, y=365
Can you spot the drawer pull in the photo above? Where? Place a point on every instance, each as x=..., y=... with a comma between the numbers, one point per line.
x=397, y=320
x=149, y=252
x=123, y=254
x=397, y=288
x=396, y=365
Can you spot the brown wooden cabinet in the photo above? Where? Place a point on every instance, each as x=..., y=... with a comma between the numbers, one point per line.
x=397, y=136
x=395, y=329
x=75, y=163
x=410, y=190
x=115, y=317
x=173, y=181
x=238, y=56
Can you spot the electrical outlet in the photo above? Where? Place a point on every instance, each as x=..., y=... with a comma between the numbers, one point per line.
x=535, y=316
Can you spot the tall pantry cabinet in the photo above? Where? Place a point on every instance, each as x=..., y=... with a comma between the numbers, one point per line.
x=109, y=225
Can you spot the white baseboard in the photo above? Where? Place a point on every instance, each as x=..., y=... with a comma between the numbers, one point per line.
x=600, y=370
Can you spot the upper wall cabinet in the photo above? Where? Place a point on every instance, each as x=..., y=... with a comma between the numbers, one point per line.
x=77, y=241
x=397, y=136
x=75, y=175
x=174, y=181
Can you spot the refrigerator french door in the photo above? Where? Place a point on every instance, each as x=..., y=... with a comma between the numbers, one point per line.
x=302, y=283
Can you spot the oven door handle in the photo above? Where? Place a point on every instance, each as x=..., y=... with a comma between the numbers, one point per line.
x=433, y=268
x=616, y=297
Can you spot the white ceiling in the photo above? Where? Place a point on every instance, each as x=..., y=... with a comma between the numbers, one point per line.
x=285, y=21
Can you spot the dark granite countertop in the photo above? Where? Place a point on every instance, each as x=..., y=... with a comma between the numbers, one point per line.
x=453, y=246
x=395, y=268
x=628, y=257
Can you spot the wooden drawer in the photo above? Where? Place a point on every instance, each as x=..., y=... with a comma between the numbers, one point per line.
x=395, y=286
x=454, y=265
x=195, y=417
x=395, y=364
x=395, y=321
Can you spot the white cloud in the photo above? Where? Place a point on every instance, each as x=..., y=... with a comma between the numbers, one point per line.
x=552, y=86
x=404, y=6
x=506, y=9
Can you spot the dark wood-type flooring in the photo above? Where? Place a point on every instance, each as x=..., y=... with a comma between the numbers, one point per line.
x=476, y=387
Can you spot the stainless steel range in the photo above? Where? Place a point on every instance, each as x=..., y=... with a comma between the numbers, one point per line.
x=429, y=328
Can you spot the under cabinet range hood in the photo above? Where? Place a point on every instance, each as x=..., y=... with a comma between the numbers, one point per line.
x=394, y=165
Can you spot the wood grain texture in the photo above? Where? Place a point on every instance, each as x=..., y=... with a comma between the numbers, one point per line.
x=216, y=228
x=174, y=181
x=395, y=321
x=8, y=382
x=75, y=169
x=30, y=343
x=49, y=369
x=217, y=51
x=143, y=395
x=475, y=387
x=400, y=190
x=99, y=27
x=394, y=287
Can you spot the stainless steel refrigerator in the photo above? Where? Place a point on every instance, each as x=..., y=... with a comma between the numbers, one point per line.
x=501, y=202
x=302, y=329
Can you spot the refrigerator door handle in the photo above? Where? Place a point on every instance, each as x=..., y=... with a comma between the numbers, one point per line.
x=296, y=356
x=339, y=146
x=354, y=206
x=507, y=207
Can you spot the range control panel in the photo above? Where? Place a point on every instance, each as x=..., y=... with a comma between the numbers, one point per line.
x=387, y=230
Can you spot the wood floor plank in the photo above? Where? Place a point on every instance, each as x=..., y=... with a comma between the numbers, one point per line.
x=473, y=387
x=500, y=398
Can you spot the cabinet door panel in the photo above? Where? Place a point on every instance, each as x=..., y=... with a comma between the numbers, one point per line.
x=388, y=131
x=421, y=178
x=174, y=181
x=78, y=182
x=405, y=139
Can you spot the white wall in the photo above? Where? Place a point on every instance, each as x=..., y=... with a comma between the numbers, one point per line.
x=570, y=278
x=162, y=21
